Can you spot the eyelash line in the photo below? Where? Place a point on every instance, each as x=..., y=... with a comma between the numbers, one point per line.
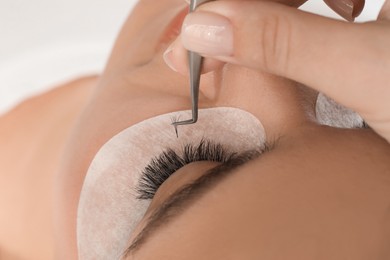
x=162, y=167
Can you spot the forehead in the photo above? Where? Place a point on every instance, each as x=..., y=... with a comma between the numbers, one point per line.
x=300, y=187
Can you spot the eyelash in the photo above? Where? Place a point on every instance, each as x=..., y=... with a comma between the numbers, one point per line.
x=162, y=167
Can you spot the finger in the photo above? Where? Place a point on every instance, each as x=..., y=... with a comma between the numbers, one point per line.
x=342, y=7
x=295, y=3
x=385, y=11
x=176, y=57
x=339, y=59
x=348, y=9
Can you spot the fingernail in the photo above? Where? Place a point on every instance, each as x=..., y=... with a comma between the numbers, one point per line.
x=167, y=56
x=208, y=34
x=344, y=8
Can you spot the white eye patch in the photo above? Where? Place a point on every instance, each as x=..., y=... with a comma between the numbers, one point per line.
x=109, y=209
x=330, y=113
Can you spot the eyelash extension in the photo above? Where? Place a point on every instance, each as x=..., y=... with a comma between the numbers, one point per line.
x=162, y=167
x=175, y=119
x=365, y=125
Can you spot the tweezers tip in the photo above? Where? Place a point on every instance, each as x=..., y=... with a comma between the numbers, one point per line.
x=177, y=133
x=174, y=121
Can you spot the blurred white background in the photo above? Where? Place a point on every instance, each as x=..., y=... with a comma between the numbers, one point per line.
x=47, y=42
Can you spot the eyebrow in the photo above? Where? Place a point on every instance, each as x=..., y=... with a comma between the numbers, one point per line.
x=181, y=199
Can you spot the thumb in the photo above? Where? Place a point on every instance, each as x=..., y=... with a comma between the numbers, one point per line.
x=337, y=58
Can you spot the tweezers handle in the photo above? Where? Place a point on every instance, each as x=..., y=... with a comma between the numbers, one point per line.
x=195, y=64
x=195, y=3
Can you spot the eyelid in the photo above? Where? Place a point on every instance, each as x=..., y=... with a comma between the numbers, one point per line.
x=168, y=162
x=181, y=198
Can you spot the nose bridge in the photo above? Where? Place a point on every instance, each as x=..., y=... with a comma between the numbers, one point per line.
x=278, y=103
x=235, y=83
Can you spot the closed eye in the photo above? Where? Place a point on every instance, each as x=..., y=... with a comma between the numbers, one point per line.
x=163, y=166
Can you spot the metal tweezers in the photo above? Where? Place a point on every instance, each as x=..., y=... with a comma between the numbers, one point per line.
x=195, y=66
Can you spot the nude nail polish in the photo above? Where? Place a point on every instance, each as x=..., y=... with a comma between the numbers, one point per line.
x=344, y=8
x=208, y=34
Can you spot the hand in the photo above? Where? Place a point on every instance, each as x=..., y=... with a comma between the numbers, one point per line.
x=348, y=9
x=348, y=62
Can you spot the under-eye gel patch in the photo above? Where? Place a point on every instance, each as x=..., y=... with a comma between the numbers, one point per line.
x=109, y=209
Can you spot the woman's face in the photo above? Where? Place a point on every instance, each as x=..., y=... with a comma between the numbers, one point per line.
x=266, y=198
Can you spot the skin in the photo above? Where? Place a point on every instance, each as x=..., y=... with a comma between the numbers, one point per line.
x=127, y=85
x=276, y=207
x=137, y=85
x=355, y=59
x=43, y=124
